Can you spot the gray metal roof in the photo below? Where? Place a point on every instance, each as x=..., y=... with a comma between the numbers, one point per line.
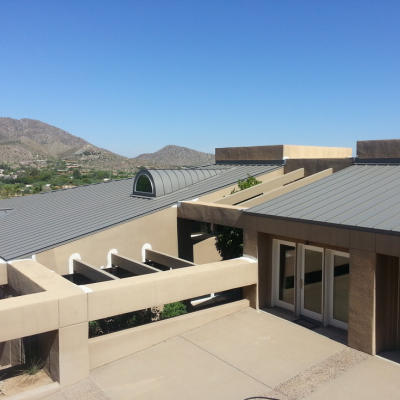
x=362, y=196
x=165, y=181
x=42, y=221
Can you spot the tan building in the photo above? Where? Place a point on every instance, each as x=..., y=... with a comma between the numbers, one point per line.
x=321, y=242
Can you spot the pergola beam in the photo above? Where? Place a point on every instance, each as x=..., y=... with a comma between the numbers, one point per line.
x=133, y=266
x=261, y=188
x=272, y=194
x=167, y=260
x=91, y=272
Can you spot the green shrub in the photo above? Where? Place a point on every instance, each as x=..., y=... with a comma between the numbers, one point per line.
x=173, y=310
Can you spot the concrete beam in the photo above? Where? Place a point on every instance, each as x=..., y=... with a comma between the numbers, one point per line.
x=140, y=292
x=219, y=214
x=136, y=267
x=261, y=188
x=167, y=260
x=286, y=189
x=28, y=315
x=91, y=272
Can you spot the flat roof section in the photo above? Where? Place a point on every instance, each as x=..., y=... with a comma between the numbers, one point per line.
x=362, y=196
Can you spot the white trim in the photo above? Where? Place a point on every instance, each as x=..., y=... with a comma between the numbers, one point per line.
x=144, y=248
x=85, y=289
x=20, y=259
x=72, y=257
x=248, y=259
x=112, y=251
x=304, y=311
x=329, y=261
x=275, y=275
x=179, y=203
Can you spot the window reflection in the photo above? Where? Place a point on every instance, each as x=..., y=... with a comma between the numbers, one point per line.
x=287, y=262
x=341, y=288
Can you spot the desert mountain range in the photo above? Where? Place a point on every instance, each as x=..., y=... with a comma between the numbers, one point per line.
x=29, y=140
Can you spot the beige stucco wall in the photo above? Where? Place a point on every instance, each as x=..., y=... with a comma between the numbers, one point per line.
x=158, y=229
x=292, y=151
x=3, y=273
x=205, y=252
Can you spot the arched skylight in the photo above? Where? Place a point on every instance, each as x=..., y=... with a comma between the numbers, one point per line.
x=143, y=184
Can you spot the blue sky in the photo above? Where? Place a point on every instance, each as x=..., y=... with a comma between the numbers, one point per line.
x=133, y=76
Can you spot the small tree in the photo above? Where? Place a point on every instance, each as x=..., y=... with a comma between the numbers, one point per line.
x=229, y=242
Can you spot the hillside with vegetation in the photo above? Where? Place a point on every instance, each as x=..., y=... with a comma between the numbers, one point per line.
x=179, y=156
x=35, y=157
x=31, y=142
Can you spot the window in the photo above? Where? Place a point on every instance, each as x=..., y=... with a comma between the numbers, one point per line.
x=143, y=184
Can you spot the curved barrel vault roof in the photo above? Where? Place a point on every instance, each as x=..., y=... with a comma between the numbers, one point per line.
x=166, y=181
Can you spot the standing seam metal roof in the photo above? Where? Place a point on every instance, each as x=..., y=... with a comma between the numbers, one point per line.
x=43, y=221
x=364, y=196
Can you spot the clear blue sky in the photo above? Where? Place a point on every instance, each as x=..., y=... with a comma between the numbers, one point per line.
x=133, y=76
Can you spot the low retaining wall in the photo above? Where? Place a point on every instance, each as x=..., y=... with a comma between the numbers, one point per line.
x=111, y=347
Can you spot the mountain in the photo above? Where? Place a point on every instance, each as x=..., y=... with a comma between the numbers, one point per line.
x=27, y=140
x=177, y=156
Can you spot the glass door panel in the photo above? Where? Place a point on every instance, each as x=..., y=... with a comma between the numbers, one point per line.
x=287, y=264
x=284, y=272
x=340, y=290
x=312, y=283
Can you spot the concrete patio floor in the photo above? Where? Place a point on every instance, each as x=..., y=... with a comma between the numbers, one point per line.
x=247, y=355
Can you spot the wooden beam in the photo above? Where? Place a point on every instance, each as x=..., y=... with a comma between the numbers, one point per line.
x=136, y=267
x=91, y=272
x=167, y=260
x=261, y=188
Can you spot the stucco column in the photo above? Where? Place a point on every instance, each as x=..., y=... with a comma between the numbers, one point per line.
x=249, y=243
x=362, y=299
x=73, y=354
x=264, y=249
x=185, y=245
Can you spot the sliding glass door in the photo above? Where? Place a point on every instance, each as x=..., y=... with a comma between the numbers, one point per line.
x=285, y=268
x=312, y=278
x=338, y=268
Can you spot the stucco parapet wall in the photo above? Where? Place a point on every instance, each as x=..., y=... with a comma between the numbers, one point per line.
x=111, y=347
x=378, y=148
x=28, y=277
x=42, y=276
x=279, y=152
x=106, y=299
x=28, y=315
